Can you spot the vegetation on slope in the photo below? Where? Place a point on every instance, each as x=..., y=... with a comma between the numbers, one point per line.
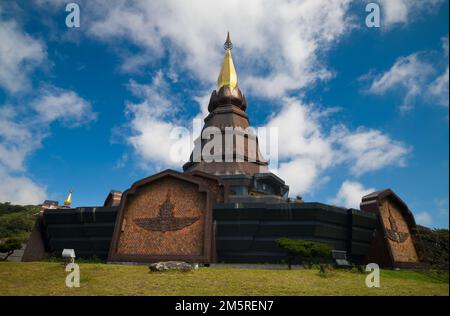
x=17, y=220
x=16, y=223
x=435, y=242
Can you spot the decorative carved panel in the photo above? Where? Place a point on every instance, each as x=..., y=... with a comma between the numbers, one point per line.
x=164, y=217
x=165, y=221
x=397, y=233
x=396, y=242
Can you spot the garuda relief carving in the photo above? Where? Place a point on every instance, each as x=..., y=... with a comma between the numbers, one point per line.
x=393, y=233
x=165, y=221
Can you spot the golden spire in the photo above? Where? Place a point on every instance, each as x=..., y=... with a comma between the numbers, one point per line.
x=68, y=200
x=228, y=75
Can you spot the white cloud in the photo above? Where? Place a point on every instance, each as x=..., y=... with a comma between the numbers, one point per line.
x=304, y=150
x=150, y=136
x=282, y=37
x=368, y=149
x=404, y=11
x=25, y=120
x=151, y=123
x=424, y=218
x=409, y=74
x=307, y=150
x=279, y=47
x=414, y=76
x=19, y=55
x=301, y=133
x=279, y=43
x=203, y=102
x=54, y=104
x=22, y=131
x=350, y=194
x=20, y=190
x=438, y=89
x=300, y=174
x=17, y=139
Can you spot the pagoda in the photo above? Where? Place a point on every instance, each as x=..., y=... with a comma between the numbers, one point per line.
x=237, y=160
x=226, y=206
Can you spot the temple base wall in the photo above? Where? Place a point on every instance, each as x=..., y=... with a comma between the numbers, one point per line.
x=243, y=232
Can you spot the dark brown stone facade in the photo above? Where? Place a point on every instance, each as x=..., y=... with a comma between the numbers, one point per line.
x=396, y=242
x=227, y=110
x=35, y=248
x=167, y=216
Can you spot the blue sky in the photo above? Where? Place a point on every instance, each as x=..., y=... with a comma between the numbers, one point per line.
x=358, y=108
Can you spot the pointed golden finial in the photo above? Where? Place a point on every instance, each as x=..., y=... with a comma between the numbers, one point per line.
x=228, y=75
x=68, y=200
x=228, y=44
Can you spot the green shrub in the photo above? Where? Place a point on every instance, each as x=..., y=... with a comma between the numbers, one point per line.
x=304, y=250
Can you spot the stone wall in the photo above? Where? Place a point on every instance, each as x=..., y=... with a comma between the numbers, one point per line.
x=88, y=230
x=247, y=232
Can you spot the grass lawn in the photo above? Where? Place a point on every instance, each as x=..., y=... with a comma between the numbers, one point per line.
x=48, y=278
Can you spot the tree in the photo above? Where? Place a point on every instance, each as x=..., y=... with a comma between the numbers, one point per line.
x=9, y=245
x=304, y=250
